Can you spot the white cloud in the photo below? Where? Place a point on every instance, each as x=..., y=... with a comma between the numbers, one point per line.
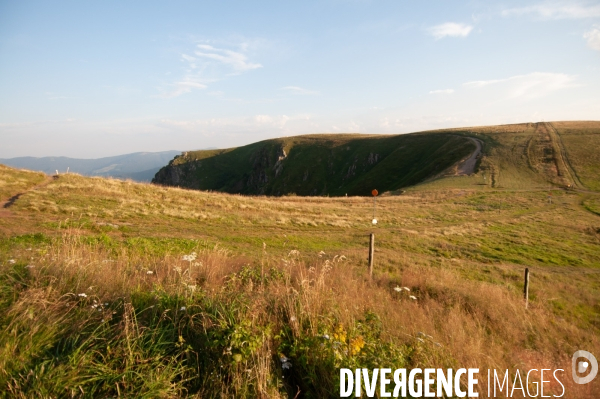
x=298, y=90
x=593, y=38
x=183, y=87
x=533, y=85
x=444, y=91
x=209, y=64
x=557, y=10
x=238, y=61
x=451, y=29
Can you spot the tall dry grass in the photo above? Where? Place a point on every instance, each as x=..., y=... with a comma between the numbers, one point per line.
x=82, y=319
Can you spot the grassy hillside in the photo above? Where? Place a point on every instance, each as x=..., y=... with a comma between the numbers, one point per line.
x=101, y=295
x=319, y=165
x=581, y=141
x=520, y=156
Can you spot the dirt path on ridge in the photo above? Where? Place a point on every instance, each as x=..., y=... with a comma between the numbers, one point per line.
x=467, y=166
x=5, y=205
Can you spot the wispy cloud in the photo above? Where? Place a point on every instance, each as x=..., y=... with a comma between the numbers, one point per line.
x=179, y=88
x=450, y=29
x=557, y=10
x=236, y=60
x=206, y=64
x=533, y=85
x=593, y=38
x=298, y=90
x=444, y=91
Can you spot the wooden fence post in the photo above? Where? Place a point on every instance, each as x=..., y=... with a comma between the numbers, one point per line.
x=526, y=288
x=371, y=253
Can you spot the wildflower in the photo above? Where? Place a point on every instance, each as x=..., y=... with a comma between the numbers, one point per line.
x=414, y=298
x=149, y=272
x=285, y=362
x=325, y=336
x=293, y=252
x=293, y=318
x=398, y=289
x=11, y=261
x=356, y=345
x=177, y=269
x=190, y=258
x=182, y=309
x=83, y=295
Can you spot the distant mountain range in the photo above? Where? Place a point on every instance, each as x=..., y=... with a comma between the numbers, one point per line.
x=138, y=166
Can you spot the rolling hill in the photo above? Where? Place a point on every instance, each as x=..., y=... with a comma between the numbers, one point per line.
x=113, y=288
x=139, y=166
x=519, y=156
x=332, y=165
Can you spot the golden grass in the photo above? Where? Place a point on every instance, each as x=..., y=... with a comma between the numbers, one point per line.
x=461, y=252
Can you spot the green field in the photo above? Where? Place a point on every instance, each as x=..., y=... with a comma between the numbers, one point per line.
x=278, y=278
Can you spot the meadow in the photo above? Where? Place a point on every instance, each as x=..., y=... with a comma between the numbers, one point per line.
x=111, y=288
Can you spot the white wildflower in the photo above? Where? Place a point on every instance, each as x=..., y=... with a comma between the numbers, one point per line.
x=149, y=272
x=413, y=297
x=398, y=289
x=183, y=308
x=83, y=295
x=190, y=258
x=285, y=363
x=11, y=261
x=294, y=252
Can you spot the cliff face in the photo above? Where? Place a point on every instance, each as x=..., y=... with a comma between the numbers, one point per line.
x=318, y=164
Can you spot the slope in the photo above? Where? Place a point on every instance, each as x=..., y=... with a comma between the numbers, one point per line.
x=333, y=165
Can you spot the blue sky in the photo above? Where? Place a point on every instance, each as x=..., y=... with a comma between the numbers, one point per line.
x=91, y=79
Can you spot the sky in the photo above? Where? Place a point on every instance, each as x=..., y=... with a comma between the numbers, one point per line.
x=92, y=79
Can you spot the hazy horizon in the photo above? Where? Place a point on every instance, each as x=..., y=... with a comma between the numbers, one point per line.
x=92, y=80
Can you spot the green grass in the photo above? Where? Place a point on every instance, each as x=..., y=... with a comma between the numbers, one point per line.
x=460, y=245
x=319, y=165
x=582, y=141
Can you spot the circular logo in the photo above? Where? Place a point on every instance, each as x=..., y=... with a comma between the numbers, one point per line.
x=580, y=366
